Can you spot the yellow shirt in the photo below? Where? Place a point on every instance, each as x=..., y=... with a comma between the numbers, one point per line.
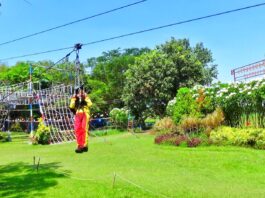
x=83, y=108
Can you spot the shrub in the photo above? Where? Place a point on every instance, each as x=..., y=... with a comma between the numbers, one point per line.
x=194, y=142
x=240, y=137
x=3, y=137
x=185, y=105
x=165, y=126
x=42, y=134
x=190, y=124
x=204, y=102
x=163, y=138
x=213, y=120
x=180, y=139
x=16, y=127
x=170, y=107
x=260, y=141
x=119, y=117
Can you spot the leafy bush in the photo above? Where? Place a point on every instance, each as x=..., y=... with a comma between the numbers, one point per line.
x=249, y=137
x=170, y=107
x=3, y=137
x=165, y=126
x=204, y=102
x=242, y=103
x=42, y=134
x=213, y=120
x=185, y=105
x=194, y=142
x=260, y=141
x=190, y=124
x=163, y=138
x=178, y=140
x=119, y=117
x=16, y=127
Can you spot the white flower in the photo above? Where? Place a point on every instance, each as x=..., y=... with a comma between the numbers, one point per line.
x=232, y=94
x=172, y=102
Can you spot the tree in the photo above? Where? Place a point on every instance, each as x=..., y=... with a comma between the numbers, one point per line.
x=204, y=55
x=155, y=77
x=20, y=73
x=110, y=69
x=97, y=95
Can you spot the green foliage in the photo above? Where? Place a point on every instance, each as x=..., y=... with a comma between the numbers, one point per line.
x=249, y=137
x=204, y=102
x=3, y=137
x=16, y=127
x=192, y=124
x=185, y=105
x=119, y=117
x=109, y=69
x=20, y=73
x=154, y=78
x=42, y=134
x=170, y=107
x=213, y=120
x=242, y=103
x=99, y=89
x=165, y=126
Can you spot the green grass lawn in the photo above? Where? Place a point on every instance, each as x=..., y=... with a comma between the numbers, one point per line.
x=158, y=171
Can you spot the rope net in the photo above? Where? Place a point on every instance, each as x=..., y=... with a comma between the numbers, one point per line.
x=54, y=107
x=3, y=116
x=52, y=103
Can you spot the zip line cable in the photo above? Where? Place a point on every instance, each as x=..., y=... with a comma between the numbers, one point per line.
x=37, y=53
x=71, y=23
x=142, y=31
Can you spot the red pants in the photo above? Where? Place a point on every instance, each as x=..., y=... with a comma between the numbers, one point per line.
x=81, y=129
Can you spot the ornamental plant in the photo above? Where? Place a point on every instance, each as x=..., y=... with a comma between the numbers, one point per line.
x=185, y=105
x=42, y=134
x=119, y=117
x=243, y=104
x=165, y=126
x=248, y=137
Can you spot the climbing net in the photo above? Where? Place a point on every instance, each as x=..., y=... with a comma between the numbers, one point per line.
x=54, y=107
x=52, y=104
x=3, y=116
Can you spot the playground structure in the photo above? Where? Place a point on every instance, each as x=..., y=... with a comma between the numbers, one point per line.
x=51, y=104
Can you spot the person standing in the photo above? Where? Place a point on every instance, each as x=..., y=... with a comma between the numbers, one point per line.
x=80, y=105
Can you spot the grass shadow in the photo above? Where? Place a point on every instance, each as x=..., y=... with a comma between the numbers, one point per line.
x=22, y=180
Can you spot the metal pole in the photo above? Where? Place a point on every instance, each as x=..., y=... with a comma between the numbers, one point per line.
x=31, y=100
x=77, y=65
x=8, y=126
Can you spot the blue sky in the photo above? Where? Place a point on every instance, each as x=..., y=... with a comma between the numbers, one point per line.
x=235, y=39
